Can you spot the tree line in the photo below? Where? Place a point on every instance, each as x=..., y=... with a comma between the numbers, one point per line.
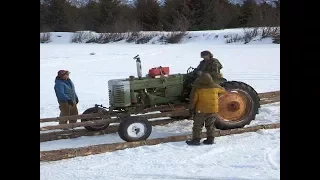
x=149, y=15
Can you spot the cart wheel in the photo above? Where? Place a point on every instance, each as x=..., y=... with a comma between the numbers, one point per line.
x=134, y=128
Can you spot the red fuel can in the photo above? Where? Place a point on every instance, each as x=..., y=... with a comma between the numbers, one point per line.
x=159, y=71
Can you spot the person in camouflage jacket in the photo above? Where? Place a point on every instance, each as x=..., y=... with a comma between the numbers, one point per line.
x=209, y=65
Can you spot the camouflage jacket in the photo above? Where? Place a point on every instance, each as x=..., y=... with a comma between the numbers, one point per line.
x=212, y=66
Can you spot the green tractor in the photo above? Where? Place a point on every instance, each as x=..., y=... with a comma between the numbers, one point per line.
x=136, y=95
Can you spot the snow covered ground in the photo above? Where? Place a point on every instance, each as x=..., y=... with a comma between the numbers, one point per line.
x=236, y=157
x=269, y=114
x=254, y=156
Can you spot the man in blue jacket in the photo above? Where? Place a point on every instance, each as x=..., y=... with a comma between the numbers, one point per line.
x=66, y=96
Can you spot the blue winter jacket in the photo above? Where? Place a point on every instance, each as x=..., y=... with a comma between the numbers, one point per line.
x=65, y=90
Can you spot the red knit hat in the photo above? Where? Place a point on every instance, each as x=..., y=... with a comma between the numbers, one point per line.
x=63, y=72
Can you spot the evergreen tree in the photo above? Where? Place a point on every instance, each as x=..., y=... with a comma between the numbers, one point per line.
x=148, y=14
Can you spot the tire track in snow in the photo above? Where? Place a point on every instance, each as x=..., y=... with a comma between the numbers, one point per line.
x=211, y=151
x=271, y=155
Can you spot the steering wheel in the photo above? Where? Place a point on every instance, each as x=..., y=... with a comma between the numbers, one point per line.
x=190, y=69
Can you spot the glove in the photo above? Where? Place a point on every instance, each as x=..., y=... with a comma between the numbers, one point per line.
x=77, y=100
x=70, y=102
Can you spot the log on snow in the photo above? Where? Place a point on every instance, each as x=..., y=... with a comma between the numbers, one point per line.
x=270, y=100
x=104, y=121
x=148, y=116
x=269, y=94
x=79, y=124
x=101, y=115
x=69, y=134
x=82, y=116
x=74, y=133
x=55, y=155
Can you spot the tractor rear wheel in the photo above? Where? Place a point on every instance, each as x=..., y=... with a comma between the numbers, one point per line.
x=134, y=128
x=238, y=107
x=95, y=127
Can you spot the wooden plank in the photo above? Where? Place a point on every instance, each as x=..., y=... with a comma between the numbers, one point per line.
x=111, y=129
x=82, y=116
x=69, y=134
x=79, y=124
x=104, y=121
x=269, y=101
x=101, y=115
x=55, y=155
x=269, y=94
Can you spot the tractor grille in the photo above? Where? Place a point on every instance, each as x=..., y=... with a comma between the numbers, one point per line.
x=118, y=94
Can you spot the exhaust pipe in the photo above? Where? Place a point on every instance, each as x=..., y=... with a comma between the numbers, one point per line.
x=139, y=69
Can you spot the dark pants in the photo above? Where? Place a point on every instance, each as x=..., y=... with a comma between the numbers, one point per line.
x=201, y=119
x=67, y=110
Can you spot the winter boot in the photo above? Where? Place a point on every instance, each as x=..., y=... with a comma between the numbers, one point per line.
x=193, y=142
x=209, y=140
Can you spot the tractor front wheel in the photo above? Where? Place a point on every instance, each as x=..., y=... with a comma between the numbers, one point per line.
x=134, y=128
